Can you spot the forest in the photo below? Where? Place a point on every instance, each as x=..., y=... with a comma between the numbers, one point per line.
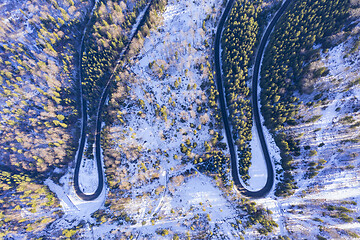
x=39, y=113
x=307, y=22
x=109, y=34
x=38, y=87
x=238, y=42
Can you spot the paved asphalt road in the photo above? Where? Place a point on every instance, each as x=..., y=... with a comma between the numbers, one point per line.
x=270, y=171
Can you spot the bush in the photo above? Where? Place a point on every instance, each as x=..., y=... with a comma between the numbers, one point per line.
x=321, y=72
x=320, y=237
x=313, y=153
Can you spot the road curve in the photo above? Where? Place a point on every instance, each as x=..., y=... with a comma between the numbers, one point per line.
x=79, y=193
x=256, y=112
x=80, y=152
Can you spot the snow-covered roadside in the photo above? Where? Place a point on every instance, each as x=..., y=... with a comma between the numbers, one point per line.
x=257, y=170
x=77, y=211
x=74, y=207
x=274, y=150
x=88, y=176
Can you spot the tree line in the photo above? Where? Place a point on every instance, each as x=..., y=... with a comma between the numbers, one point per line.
x=111, y=25
x=119, y=94
x=286, y=60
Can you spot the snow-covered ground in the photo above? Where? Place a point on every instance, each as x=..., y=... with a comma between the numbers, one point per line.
x=88, y=176
x=74, y=207
x=257, y=170
x=161, y=113
x=197, y=196
x=338, y=183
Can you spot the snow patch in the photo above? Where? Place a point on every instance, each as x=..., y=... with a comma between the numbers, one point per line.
x=258, y=169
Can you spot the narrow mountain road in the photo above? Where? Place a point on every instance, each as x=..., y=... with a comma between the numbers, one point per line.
x=80, y=152
x=256, y=111
x=78, y=191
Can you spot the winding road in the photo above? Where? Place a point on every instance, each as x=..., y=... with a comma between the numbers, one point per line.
x=233, y=156
x=270, y=179
x=80, y=153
